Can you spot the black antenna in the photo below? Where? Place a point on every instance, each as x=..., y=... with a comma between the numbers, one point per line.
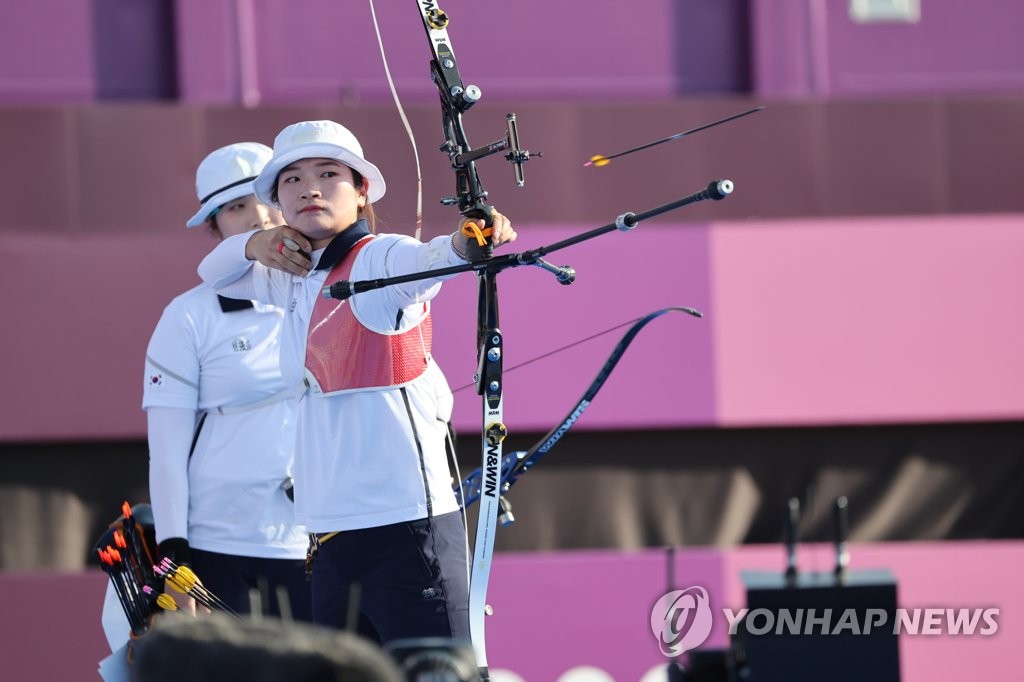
x=675, y=671
x=792, y=524
x=842, y=551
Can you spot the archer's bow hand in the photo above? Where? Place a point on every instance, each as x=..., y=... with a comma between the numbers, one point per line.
x=472, y=239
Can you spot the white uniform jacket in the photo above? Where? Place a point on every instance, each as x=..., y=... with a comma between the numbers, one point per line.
x=221, y=428
x=371, y=457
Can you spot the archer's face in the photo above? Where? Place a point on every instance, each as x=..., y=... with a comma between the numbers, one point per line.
x=244, y=214
x=319, y=198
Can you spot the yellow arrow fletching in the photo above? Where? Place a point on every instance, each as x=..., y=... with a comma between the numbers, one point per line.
x=178, y=584
x=187, y=576
x=166, y=602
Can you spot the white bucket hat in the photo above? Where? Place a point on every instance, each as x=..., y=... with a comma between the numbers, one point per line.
x=227, y=174
x=317, y=140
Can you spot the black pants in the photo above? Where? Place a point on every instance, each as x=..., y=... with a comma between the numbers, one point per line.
x=411, y=578
x=231, y=578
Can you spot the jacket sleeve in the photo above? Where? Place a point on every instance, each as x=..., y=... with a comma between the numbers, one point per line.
x=231, y=274
x=170, y=432
x=392, y=255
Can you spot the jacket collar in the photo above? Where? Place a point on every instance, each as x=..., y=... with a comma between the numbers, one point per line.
x=230, y=305
x=342, y=244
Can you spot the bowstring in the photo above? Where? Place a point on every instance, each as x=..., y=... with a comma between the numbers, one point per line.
x=558, y=350
x=405, y=122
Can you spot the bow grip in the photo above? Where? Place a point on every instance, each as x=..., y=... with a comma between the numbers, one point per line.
x=479, y=240
x=472, y=230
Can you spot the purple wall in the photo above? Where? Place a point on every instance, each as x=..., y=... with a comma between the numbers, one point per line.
x=46, y=52
x=532, y=49
x=244, y=51
x=813, y=47
x=58, y=52
x=559, y=611
x=135, y=49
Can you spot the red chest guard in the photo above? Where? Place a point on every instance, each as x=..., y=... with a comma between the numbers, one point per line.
x=342, y=355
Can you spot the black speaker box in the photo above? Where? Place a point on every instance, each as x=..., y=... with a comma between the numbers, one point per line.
x=849, y=636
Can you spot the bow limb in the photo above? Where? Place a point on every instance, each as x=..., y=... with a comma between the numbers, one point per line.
x=515, y=464
x=498, y=472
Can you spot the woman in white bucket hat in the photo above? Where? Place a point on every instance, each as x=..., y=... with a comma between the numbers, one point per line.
x=372, y=479
x=221, y=419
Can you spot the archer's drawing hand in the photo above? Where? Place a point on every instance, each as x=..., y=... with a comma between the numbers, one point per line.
x=282, y=248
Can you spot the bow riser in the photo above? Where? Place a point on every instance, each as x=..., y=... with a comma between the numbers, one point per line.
x=456, y=99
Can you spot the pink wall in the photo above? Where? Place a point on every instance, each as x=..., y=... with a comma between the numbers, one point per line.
x=843, y=321
x=807, y=322
x=75, y=342
x=596, y=605
x=52, y=625
x=928, y=575
x=664, y=378
x=553, y=612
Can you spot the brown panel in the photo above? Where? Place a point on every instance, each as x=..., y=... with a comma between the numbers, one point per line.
x=880, y=158
x=38, y=184
x=659, y=174
x=986, y=154
x=223, y=126
x=132, y=168
x=772, y=158
x=766, y=155
x=137, y=167
x=558, y=187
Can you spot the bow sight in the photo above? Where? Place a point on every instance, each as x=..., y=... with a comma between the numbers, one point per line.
x=456, y=99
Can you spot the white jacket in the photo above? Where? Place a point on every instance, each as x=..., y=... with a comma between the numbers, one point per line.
x=368, y=458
